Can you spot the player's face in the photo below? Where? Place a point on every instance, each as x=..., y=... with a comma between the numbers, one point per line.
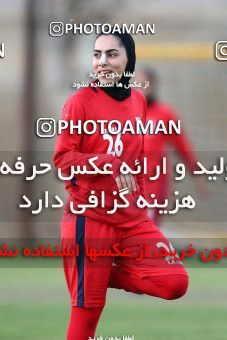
x=109, y=58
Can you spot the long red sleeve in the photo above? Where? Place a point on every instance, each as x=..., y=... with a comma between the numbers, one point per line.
x=67, y=150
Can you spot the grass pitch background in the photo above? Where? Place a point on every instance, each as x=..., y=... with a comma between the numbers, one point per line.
x=35, y=305
x=34, y=302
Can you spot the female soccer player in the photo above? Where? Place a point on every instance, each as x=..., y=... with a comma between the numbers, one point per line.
x=156, y=146
x=128, y=230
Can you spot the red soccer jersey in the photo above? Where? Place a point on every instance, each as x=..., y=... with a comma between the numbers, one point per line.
x=92, y=103
x=155, y=148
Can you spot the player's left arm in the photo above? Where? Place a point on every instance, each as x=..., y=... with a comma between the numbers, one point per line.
x=184, y=147
x=141, y=177
x=182, y=144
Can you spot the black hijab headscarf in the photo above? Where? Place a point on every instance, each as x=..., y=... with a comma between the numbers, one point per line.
x=121, y=93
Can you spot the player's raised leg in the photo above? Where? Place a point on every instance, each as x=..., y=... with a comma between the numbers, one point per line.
x=154, y=274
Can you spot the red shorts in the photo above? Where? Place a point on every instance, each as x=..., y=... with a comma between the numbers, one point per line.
x=99, y=247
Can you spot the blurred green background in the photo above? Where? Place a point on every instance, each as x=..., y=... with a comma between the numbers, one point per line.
x=35, y=305
x=36, y=78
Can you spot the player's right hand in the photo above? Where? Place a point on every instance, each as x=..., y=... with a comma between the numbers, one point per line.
x=126, y=181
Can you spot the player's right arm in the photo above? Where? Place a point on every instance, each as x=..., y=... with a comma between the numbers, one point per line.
x=68, y=146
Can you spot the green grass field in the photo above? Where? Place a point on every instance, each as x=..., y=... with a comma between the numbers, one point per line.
x=35, y=305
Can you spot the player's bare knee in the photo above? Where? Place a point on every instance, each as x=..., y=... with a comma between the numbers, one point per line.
x=177, y=288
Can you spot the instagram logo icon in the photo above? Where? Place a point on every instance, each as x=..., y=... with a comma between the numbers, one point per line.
x=45, y=127
x=56, y=29
x=221, y=50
